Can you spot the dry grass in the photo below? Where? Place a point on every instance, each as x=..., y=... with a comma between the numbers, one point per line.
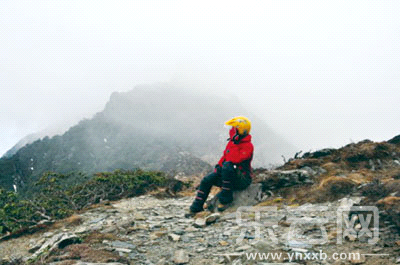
x=73, y=220
x=391, y=207
x=86, y=253
x=331, y=188
x=97, y=237
x=202, y=214
x=393, y=186
x=328, y=189
x=389, y=202
x=331, y=168
x=359, y=178
x=187, y=192
x=336, y=184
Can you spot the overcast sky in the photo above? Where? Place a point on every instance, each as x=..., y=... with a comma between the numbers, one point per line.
x=321, y=73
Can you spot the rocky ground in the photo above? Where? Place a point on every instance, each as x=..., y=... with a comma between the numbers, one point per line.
x=312, y=210
x=147, y=230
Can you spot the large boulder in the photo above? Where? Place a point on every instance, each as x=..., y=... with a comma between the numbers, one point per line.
x=247, y=197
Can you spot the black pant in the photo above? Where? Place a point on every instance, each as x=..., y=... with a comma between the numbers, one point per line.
x=228, y=178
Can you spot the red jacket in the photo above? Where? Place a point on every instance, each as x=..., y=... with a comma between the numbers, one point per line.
x=239, y=153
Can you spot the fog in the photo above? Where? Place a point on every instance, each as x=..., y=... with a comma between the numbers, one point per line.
x=320, y=73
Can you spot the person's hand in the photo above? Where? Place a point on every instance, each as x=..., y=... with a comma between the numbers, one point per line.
x=217, y=168
x=229, y=164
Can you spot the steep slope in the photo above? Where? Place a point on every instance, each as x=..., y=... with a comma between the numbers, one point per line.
x=158, y=127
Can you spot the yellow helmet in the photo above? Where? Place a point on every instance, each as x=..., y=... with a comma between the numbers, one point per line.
x=242, y=124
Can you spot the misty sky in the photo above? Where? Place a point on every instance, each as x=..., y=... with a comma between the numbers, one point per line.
x=320, y=73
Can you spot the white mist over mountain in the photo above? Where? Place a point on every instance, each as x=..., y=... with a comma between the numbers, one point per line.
x=321, y=74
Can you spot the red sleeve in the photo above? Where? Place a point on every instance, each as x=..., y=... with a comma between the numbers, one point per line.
x=240, y=153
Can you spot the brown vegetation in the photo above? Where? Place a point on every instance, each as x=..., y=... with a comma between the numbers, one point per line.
x=366, y=168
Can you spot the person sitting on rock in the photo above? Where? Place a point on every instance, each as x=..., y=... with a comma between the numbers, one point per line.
x=233, y=171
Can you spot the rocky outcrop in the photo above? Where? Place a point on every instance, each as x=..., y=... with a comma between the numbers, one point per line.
x=248, y=197
x=276, y=179
x=60, y=240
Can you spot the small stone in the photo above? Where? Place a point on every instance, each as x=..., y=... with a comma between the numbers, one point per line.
x=80, y=230
x=332, y=235
x=141, y=250
x=139, y=216
x=398, y=260
x=201, y=250
x=138, y=227
x=161, y=233
x=354, y=218
x=174, y=237
x=243, y=248
x=212, y=218
x=157, y=234
x=123, y=250
x=126, y=223
x=109, y=230
x=179, y=231
x=168, y=217
x=223, y=243
x=227, y=233
x=162, y=261
x=377, y=250
x=34, y=245
x=191, y=229
x=122, y=245
x=48, y=234
x=154, y=225
x=90, y=263
x=96, y=220
x=358, y=227
x=339, y=262
x=284, y=223
x=358, y=261
x=228, y=216
x=300, y=245
x=303, y=250
x=181, y=257
x=351, y=238
x=200, y=222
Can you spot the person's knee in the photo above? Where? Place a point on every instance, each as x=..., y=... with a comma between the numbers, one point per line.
x=206, y=181
x=228, y=167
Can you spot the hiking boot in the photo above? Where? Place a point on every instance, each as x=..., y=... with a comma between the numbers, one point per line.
x=222, y=207
x=192, y=212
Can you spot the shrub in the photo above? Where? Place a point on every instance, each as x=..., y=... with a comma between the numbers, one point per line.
x=53, y=199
